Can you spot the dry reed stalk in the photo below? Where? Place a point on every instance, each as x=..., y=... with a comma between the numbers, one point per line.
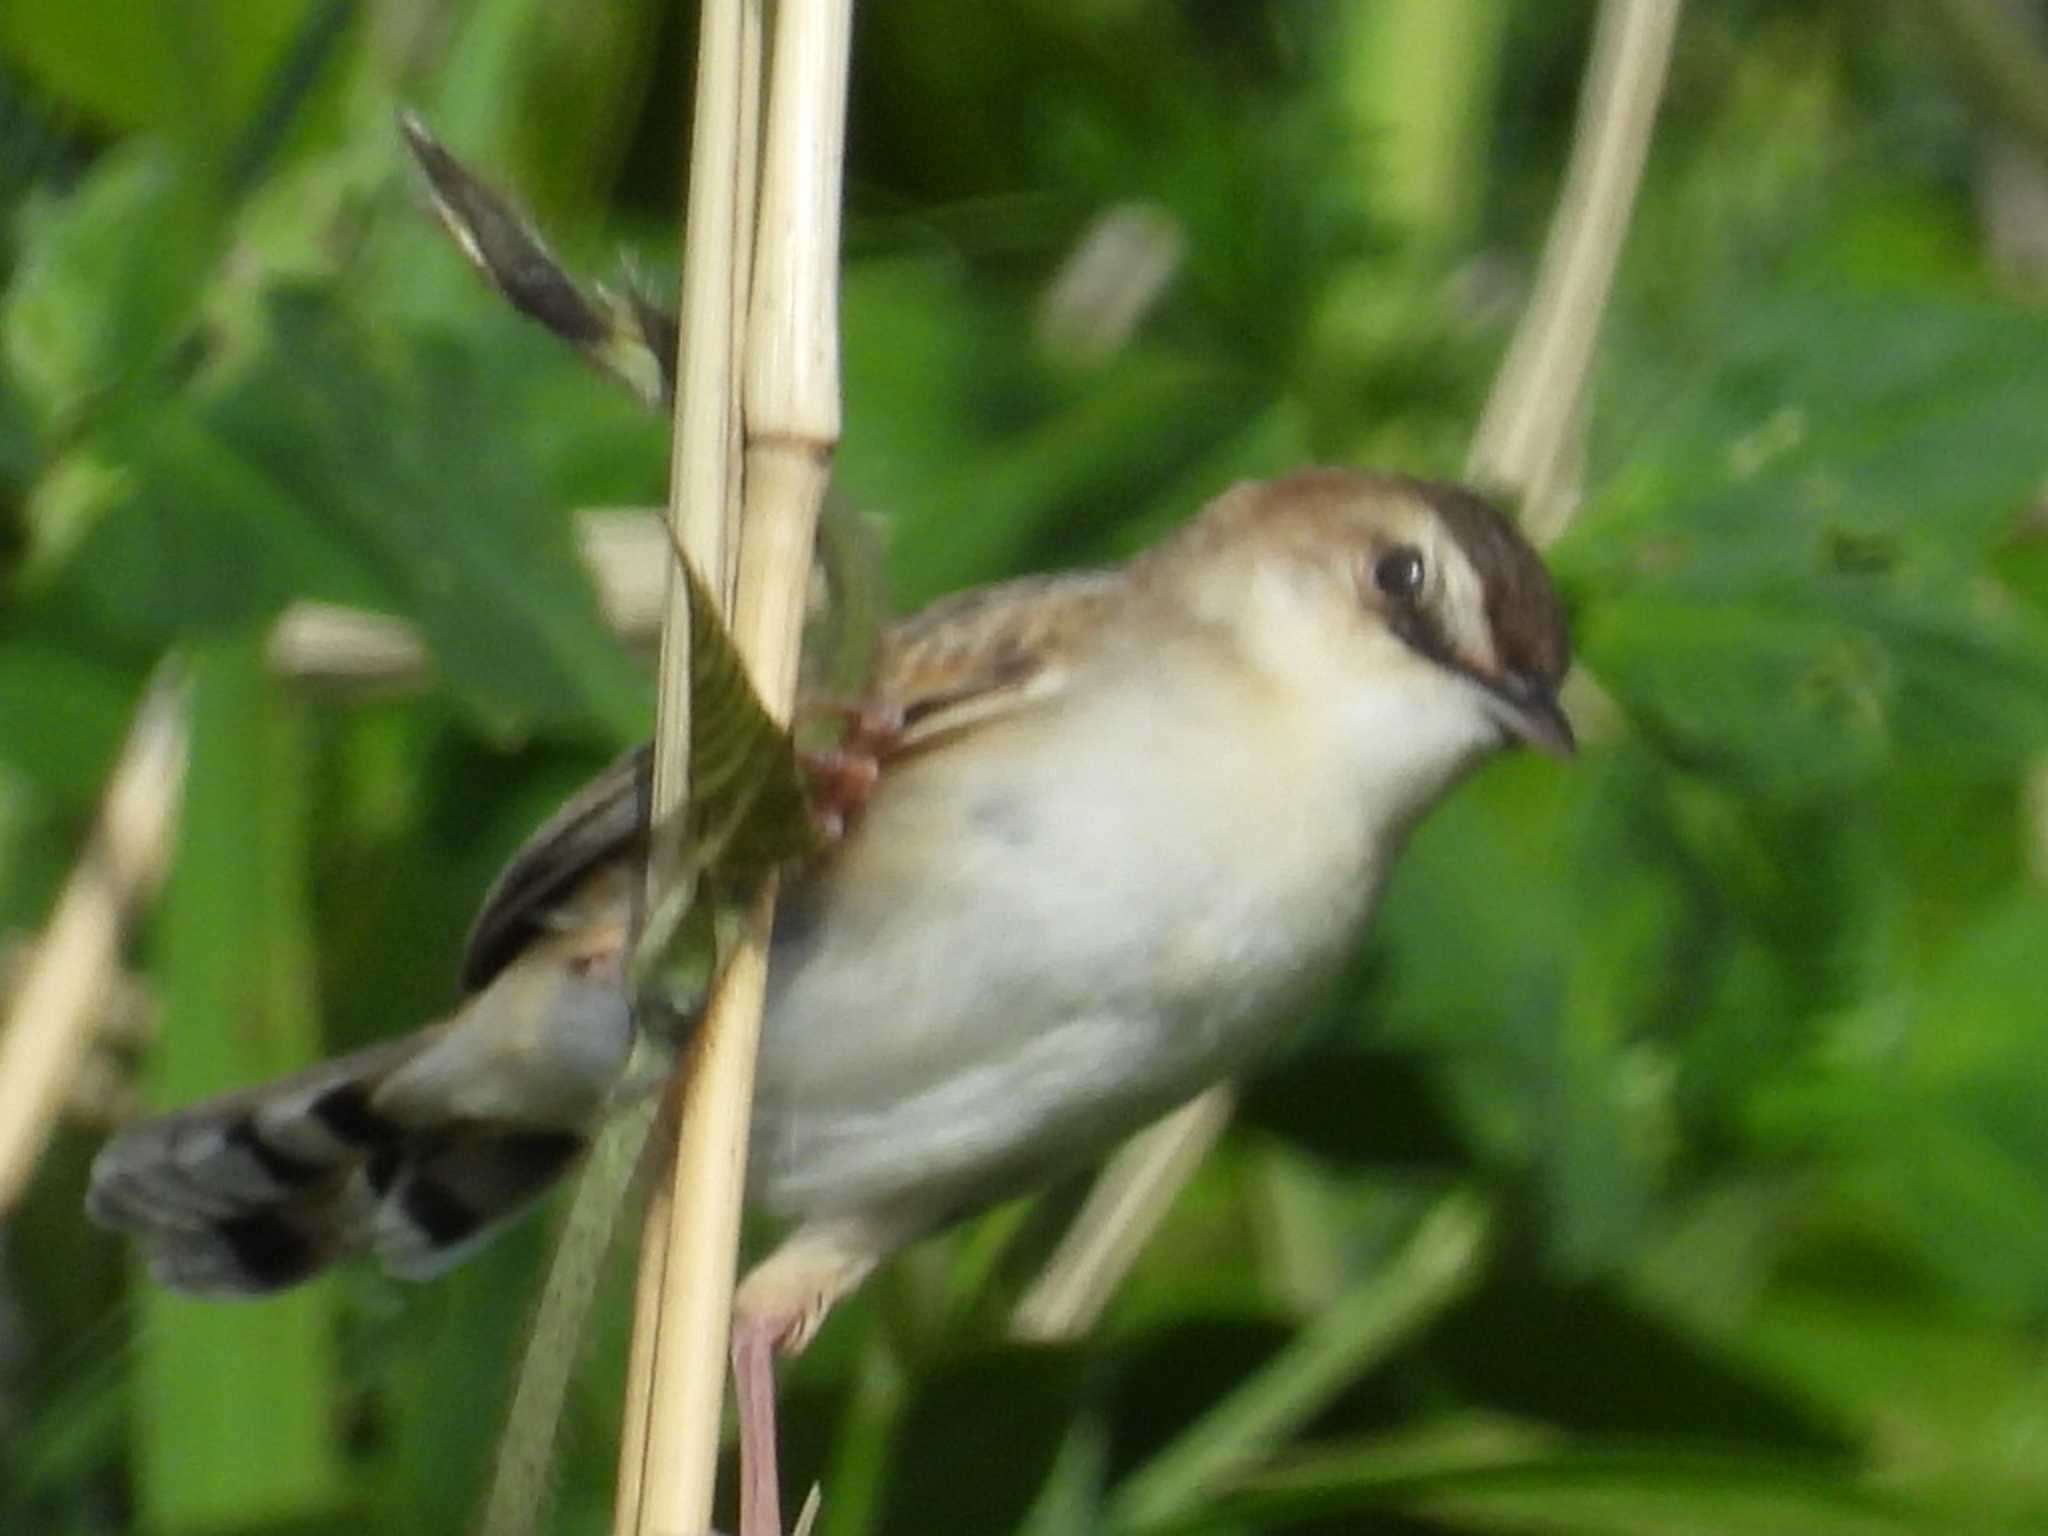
x=675, y=1369
x=65, y=980
x=2036, y=802
x=2000, y=44
x=625, y=549
x=1122, y=1211
x=789, y=424
x=1524, y=445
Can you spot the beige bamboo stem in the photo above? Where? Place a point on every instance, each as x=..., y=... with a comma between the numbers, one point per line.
x=625, y=549
x=674, y=1372
x=1523, y=444
x=1118, y=1218
x=1999, y=43
x=2037, y=818
x=67, y=977
x=1525, y=436
x=791, y=428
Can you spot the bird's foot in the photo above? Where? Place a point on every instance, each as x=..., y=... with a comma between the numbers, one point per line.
x=840, y=781
x=843, y=775
x=778, y=1310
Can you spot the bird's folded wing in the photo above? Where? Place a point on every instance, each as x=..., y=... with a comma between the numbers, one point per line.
x=966, y=660
x=987, y=653
x=602, y=824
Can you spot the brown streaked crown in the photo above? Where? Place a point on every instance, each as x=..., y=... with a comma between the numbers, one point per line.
x=1522, y=609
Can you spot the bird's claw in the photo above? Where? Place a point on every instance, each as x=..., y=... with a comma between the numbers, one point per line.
x=842, y=777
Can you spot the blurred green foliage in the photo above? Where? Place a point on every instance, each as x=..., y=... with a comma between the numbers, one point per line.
x=1674, y=1158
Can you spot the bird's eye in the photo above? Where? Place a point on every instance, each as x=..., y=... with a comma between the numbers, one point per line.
x=1399, y=573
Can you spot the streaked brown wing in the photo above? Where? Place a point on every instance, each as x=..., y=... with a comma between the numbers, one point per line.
x=602, y=821
x=978, y=656
x=986, y=653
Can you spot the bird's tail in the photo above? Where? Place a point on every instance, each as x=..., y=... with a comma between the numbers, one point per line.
x=416, y=1150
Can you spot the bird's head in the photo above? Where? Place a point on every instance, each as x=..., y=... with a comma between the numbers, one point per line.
x=1411, y=613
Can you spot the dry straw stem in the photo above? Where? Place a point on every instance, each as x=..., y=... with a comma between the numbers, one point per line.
x=1118, y=1218
x=625, y=550
x=2037, y=819
x=1524, y=446
x=76, y=964
x=1524, y=442
x=790, y=420
x=2001, y=45
x=662, y=1392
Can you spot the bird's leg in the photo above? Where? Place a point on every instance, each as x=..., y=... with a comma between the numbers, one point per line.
x=777, y=1310
x=753, y=1379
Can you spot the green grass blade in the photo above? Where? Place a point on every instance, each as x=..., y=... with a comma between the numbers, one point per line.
x=235, y=1406
x=1435, y=1267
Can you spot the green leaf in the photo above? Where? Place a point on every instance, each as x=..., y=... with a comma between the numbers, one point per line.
x=1536, y=1006
x=1593, y=1359
x=448, y=1366
x=198, y=538
x=374, y=471
x=1789, y=588
x=1442, y=1257
x=747, y=807
x=134, y=67
x=109, y=279
x=1802, y=684
x=1592, y=1492
x=524, y=1474
x=1925, y=1107
x=747, y=814
x=989, y=460
x=1358, y=1110
x=65, y=716
x=1900, y=421
x=19, y=455
x=234, y=1406
x=955, y=1466
x=1950, y=1407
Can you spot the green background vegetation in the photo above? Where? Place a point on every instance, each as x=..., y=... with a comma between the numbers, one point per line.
x=1676, y=1158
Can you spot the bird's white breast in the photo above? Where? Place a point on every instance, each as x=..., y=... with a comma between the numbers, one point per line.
x=1040, y=937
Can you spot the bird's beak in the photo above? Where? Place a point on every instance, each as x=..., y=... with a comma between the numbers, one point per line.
x=1529, y=711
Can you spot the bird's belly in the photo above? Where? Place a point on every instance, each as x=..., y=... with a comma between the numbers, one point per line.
x=1005, y=979
x=941, y=1141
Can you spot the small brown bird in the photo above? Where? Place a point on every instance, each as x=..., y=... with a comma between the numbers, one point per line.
x=1131, y=817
